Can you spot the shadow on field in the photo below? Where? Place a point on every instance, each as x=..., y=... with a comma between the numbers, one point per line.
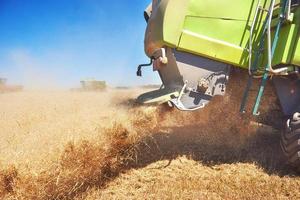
x=263, y=149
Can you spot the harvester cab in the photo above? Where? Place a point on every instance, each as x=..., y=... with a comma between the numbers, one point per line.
x=193, y=45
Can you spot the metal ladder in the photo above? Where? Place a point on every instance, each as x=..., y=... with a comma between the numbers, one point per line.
x=271, y=47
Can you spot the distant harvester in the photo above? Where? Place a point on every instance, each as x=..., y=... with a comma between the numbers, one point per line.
x=3, y=81
x=92, y=85
x=9, y=88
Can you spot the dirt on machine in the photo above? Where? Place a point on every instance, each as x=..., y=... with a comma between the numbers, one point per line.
x=4, y=87
x=197, y=46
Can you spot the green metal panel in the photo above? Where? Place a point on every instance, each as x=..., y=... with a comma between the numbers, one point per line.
x=223, y=20
x=296, y=55
x=296, y=58
x=285, y=48
x=174, y=20
x=212, y=48
x=220, y=29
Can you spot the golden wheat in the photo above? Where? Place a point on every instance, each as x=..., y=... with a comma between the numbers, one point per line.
x=65, y=145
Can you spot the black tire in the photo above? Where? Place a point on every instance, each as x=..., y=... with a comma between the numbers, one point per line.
x=290, y=141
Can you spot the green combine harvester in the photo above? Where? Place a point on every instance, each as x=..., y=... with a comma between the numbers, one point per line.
x=195, y=44
x=92, y=85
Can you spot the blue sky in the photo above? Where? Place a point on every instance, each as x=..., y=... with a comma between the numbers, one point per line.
x=46, y=43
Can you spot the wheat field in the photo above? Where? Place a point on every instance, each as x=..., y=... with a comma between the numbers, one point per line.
x=101, y=145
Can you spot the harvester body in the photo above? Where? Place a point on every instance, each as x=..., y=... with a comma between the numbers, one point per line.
x=219, y=30
x=195, y=44
x=3, y=81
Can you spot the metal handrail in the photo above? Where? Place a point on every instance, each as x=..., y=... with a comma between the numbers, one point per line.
x=251, y=37
x=271, y=9
x=271, y=52
x=271, y=48
x=288, y=13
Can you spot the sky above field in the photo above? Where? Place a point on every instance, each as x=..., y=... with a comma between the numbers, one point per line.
x=52, y=43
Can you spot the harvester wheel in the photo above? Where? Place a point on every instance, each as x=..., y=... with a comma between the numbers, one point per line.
x=290, y=141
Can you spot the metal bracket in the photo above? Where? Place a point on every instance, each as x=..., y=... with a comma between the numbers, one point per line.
x=139, y=69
